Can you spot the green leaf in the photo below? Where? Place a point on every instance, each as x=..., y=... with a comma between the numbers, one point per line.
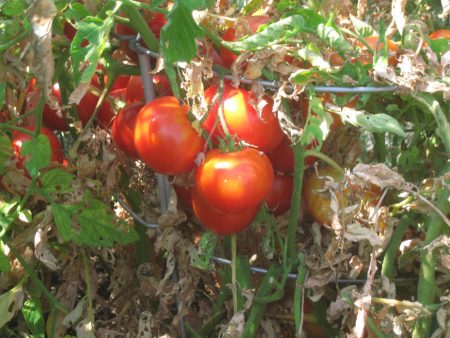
x=313, y=55
x=361, y=28
x=4, y=260
x=411, y=164
x=7, y=214
x=179, y=33
x=380, y=58
x=376, y=123
x=10, y=302
x=38, y=153
x=306, y=21
x=6, y=151
x=34, y=318
x=57, y=180
x=96, y=32
x=2, y=91
x=329, y=33
x=91, y=223
x=13, y=7
x=202, y=259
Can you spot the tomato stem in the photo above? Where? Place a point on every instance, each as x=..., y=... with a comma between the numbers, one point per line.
x=90, y=314
x=326, y=159
x=140, y=25
x=299, y=295
x=233, y=272
x=426, y=285
x=388, y=267
x=38, y=283
x=299, y=166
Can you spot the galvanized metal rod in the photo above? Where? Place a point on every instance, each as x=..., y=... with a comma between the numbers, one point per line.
x=162, y=180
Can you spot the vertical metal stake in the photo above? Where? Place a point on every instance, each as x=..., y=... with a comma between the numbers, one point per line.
x=163, y=182
x=149, y=93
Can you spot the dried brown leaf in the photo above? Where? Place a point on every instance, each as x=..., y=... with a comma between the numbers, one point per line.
x=41, y=14
x=380, y=175
x=356, y=232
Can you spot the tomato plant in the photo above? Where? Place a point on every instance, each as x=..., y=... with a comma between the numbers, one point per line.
x=222, y=223
x=123, y=127
x=19, y=137
x=234, y=181
x=279, y=197
x=164, y=137
x=318, y=201
x=242, y=118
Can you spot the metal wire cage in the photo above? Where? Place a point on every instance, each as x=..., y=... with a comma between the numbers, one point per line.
x=144, y=55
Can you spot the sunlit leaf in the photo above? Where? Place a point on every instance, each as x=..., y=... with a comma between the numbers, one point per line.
x=38, y=154
x=34, y=318
x=91, y=223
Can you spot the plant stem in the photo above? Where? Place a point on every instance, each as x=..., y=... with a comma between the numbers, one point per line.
x=87, y=275
x=426, y=285
x=299, y=159
x=326, y=159
x=388, y=267
x=299, y=294
x=140, y=25
x=256, y=313
x=34, y=277
x=233, y=272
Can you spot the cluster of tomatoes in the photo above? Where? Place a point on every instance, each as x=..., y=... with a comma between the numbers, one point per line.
x=228, y=187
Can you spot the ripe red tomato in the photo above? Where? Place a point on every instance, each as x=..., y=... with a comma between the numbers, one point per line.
x=440, y=34
x=107, y=110
x=282, y=157
x=121, y=81
x=227, y=55
x=122, y=130
x=18, y=138
x=235, y=181
x=184, y=196
x=70, y=32
x=222, y=223
x=164, y=137
x=242, y=118
x=372, y=41
x=135, y=87
x=50, y=116
x=318, y=202
x=279, y=197
x=86, y=106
